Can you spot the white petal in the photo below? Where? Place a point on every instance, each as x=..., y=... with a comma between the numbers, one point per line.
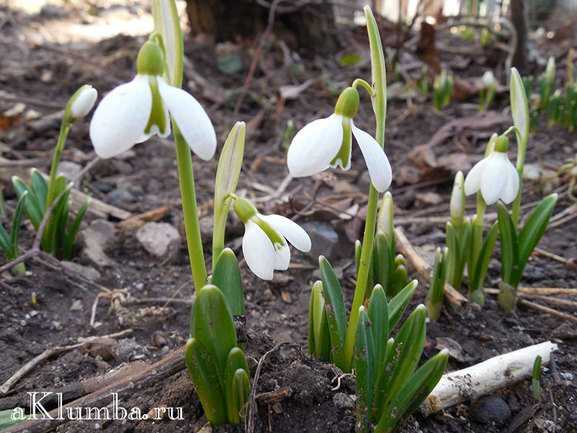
x=293, y=233
x=512, y=186
x=494, y=177
x=258, y=251
x=282, y=258
x=473, y=179
x=120, y=119
x=375, y=158
x=314, y=146
x=192, y=120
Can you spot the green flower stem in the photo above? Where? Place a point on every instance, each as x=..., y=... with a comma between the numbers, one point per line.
x=189, y=208
x=379, y=107
x=57, y=155
x=219, y=232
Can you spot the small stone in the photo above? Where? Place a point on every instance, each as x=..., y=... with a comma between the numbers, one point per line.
x=324, y=239
x=343, y=401
x=95, y=239
x=490, y=409
x=87, y=272
x=159, y=239
x=120, y=197
x=69, y=169
x=104, y=348
x=77, y=305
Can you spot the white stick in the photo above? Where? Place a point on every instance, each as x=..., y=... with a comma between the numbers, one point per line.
x=485, y=377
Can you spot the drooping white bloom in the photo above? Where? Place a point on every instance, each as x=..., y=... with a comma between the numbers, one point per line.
x=264, y=243
x=83, y=101
x=496, y=178
x=326, y=142
x=133, y=112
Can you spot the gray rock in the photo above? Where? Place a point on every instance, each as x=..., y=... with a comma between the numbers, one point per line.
x=87, y=272
x=343, y=401
x=490, y=409
x=69, y=169
x=324, y=239
x=159, y=239
x=95, y=240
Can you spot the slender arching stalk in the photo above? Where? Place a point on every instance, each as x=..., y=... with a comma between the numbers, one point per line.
x=56, y=155
x=380, y=109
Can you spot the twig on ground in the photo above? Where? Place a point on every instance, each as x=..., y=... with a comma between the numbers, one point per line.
x=547, y=310
x=49, y=353
x=423, y=268
x=486, y=377
x=548, y=299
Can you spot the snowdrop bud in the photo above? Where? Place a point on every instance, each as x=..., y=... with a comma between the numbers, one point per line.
x=489, y=79
x=458, y=200
x=82, y=101
x=385, y=223
x=244, y=209
x=348, y=103
x=149, y=61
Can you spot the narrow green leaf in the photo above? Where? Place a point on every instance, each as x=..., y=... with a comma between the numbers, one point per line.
x=378, y=313
x=533, y=231
x=319, y=335
x=413, y=393
x=212, y=324
x=364, y=360
x=399, y=303
x=203, y=371
x=383, y=374
x=226, y=277
x=5, y=244
x=436, y=293
x=40, y=187
x=334, y=309
x=72, y=231
x=17, y=223
x=236, y=392
x=407, y=351
x=33, y=208
x=485, y=257
x=509, y=243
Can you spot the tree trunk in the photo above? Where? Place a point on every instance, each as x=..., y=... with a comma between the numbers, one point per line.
x=310, y=28
x=519, y=20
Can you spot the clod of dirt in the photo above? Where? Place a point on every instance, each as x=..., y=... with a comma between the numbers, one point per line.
x=343, y=401
x=490, y=409
x=104, y=348
x=324, y=239
x=159, y=239
x=96, y=239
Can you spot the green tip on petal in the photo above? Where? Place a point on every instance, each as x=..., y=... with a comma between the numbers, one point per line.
x=348, y=103
x=150, y=61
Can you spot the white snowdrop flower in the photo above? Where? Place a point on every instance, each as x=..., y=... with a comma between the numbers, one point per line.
x=264, y=243
x=495, y=176
x=133, y=112
x=82, y=101
x=325, y=143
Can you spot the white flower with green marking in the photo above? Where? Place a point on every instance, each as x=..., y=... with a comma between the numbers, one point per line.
x=495, y=176
x=325, y=143
x=264, y=243
x=135, y=111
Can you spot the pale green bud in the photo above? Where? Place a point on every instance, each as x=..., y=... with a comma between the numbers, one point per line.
x=348, y=103
x=82, y=101
x=150, y=60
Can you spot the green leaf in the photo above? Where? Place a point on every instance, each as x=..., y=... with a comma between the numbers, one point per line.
x=436, y=292
x=17, y=223
x=226, y=277
x=203, y=371
x=399, y=303
x=33, y=207
x=485, y=254
x=40, y=188
x=364, y=360
x=533, y=231
x=413, y=393
x=212, y=324
x=72, y=231
x=509, y=243
x=5, y=244
x=378, y=314
x=235, y=382
x=334, y=309
x=319, y=336
x=407, y=351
